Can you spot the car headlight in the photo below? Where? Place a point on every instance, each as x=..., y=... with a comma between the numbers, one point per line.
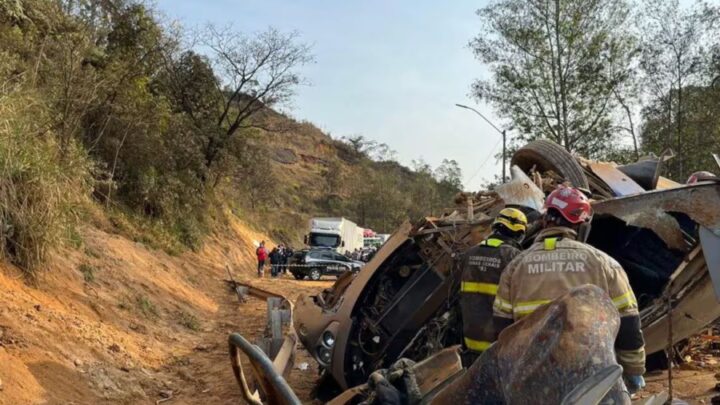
x=324, y=355
x=328, y=338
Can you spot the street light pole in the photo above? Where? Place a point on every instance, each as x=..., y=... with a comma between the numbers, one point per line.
x=503, y=153
x=502, y=132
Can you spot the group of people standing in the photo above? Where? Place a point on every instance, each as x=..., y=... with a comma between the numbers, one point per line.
x=362, y=255
x=502, y=284
x=279, y=258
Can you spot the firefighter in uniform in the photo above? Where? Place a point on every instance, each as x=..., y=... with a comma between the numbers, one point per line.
x=557, y=262
x=481, y=269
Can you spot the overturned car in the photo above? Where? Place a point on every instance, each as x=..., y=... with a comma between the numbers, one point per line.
x=404, y=303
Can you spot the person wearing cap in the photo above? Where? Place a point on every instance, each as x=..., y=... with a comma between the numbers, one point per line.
x=557, y=262
x=481, y=268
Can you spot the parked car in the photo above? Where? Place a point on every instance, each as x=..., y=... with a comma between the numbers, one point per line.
x=666, y=236
x=316, y=263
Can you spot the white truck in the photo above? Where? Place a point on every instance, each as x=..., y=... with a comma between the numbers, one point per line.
x=340, y=234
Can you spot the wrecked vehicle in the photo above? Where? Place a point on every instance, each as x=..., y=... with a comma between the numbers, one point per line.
x=403, y=304
x=575, y=366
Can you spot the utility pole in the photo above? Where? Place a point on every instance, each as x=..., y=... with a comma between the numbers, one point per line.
x=502, y=132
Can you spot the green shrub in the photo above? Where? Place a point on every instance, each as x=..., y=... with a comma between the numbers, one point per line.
x=88, y=272
x=146, y=306
x=74, y=238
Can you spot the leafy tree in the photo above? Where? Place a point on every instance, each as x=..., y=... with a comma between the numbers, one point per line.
x=420, y=166
x=555, y=66
x=424, y=191
x=380, y=152
x=377, y=199
x=701, y=128
x=449, y=172
x=674, y=58
x=359, y=143
x=191, y=85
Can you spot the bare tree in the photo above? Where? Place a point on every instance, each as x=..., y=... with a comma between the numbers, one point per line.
x=255, y=72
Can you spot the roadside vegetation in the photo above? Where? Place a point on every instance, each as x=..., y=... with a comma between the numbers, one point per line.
x=608, y=79
x=102, y=104
x=105, y=107
x=42, y=183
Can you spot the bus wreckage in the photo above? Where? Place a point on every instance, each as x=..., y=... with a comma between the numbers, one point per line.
x=404, y=303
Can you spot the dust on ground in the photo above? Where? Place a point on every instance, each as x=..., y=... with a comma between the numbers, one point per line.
x=116, y=322
x=697, y=378
x=692, y=386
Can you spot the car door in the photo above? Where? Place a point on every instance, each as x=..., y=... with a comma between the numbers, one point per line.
x=333, y=266
x=327, y=260
x=342, y=262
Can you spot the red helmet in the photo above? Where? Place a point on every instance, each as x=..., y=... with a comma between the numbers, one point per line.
x=700, y=176
x=571, y=203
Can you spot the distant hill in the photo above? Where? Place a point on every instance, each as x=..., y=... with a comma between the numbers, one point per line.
x=308, y=174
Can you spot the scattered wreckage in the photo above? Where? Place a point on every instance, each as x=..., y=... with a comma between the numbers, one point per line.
x=403, y=304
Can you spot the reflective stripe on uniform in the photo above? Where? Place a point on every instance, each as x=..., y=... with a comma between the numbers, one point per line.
x=528, y=307
x=503, y=305
x=477, y=345
x=481, y=288
x=624, y=301
x=492, y=242
x=550, y=243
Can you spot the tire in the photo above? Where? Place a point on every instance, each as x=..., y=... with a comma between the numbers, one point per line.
x=547, y=155
x=298, y=276
x=315, y=274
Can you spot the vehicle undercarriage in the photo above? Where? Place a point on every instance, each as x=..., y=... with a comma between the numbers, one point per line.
x=404, y=302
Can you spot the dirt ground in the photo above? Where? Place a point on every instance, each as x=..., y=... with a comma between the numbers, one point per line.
x=113, y=322
x=695, y=386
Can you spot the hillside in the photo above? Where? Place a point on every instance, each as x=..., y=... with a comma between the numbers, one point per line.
x=104, y=105
x=131, y=174
x=116, y=322
x=307, y=173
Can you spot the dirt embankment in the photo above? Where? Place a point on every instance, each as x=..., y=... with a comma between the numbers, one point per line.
x=116, y=322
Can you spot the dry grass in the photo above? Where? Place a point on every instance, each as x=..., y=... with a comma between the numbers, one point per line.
x=42, y=183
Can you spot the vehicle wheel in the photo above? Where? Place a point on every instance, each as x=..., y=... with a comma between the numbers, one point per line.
x=315, y=274
x=298, y=276
x=547, y=155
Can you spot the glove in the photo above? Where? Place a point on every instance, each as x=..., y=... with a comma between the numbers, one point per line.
x=634, y=383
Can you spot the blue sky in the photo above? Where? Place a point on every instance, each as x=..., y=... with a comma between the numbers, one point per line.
x=388, y=70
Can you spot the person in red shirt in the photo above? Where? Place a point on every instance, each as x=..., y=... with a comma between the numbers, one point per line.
x=262, y=255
